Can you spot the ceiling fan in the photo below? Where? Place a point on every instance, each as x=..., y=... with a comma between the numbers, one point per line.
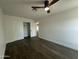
x=47, y=4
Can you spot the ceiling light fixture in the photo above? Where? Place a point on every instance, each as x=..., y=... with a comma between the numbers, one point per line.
x=47, y=8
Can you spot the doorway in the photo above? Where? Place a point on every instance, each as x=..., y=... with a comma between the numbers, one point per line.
x=37, y=28
x=27, y=31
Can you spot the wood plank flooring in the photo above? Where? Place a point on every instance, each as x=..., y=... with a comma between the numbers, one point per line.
x=22, y=50
x=37, y=48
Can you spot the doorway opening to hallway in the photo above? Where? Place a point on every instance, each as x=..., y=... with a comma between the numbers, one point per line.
x=27, y=29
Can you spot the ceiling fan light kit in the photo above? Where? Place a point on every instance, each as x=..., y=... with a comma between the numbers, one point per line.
x=47, y=8
x=46, y=5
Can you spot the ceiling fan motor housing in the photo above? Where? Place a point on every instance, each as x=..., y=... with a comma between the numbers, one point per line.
x=46, y=3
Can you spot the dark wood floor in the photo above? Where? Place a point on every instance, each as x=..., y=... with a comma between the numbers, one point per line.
x=22, y=50
x=36, y=48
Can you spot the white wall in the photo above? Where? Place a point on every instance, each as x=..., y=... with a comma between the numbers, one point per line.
x=14, y=28
x=2, y=41
x=61, y=28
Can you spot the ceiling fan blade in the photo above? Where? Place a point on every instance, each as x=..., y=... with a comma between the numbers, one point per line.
x=38, y=7
x=53, y=2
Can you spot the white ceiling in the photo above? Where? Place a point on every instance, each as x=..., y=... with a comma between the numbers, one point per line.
x=23, y=7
